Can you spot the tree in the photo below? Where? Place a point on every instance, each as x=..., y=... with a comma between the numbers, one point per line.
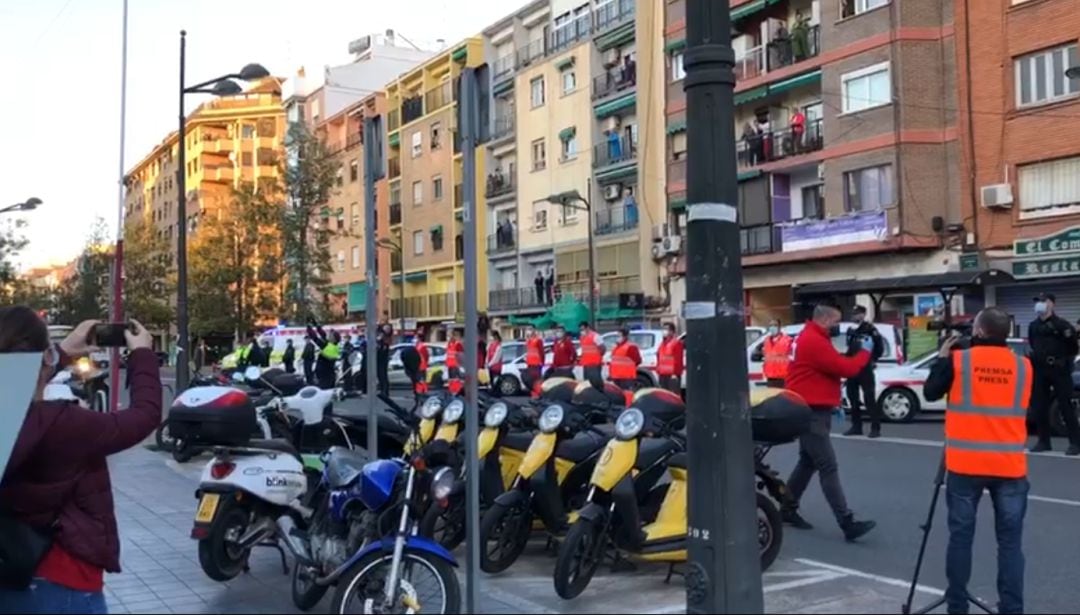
x=86, y=295
x=148, y=277
x=309, y=174
x=11, y=243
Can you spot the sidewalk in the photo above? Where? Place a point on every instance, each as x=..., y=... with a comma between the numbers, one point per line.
x=155, y=502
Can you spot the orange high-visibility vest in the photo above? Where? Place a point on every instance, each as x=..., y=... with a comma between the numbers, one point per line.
x=590, y=351
x=422, y=350
x=454, y=352
x=666, y=363
x=622, y=366
x=534, y=352
x=986, y=415
x=777, y=352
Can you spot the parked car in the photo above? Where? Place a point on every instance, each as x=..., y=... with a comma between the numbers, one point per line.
x=893, y=355
x=398, y=378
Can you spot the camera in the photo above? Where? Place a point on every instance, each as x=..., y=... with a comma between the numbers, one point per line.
x=964, y=330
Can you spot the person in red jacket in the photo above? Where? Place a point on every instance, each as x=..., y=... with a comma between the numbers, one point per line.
x=669, y=360
x=815, y=374
x=57, y=479
x=494, y=360
x=563, y=355
x=534, y=361
x=455, y=358
x=625, y=359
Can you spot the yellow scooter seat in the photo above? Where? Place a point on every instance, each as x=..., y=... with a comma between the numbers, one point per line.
x=651, y=450
x=678, y=460
x=578, y=448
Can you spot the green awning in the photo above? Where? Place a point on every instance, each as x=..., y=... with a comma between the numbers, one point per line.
x=502, y=87
x=617, y=313
x=747, y=9
x=619, y=36
x=567, y=133
x=436, y=228
x=754, y=94
x=745, y=175
x=568, y=312
x=677, y=204
x=337, y=290
x=394, y=139
x=325, y=212
x=627, y=169
x=796, y=81
x=566, y=62
x=675, y=45
x=459, y=54
x=676, y=126
x=614, y=106
x=416, y=276
x=357, y=296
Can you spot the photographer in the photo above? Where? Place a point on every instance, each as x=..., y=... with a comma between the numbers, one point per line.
x=988, y=389
x=55, y=497
x=865, y=380
x=1053, y=350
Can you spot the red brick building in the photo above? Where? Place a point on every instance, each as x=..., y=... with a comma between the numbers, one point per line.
x=1020, y=130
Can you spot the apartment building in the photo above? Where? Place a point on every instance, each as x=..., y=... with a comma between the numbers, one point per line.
x=1021, y=148
x=425, y=182
x=847, y=146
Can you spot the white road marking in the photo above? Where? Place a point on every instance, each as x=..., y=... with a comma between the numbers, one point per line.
x=1039, y=498
x=851, y=572
x=819, y=577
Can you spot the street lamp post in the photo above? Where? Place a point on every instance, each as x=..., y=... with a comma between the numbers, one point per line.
x=29, y=204
x=572, y=198
x=221, y=86
x=389, y=244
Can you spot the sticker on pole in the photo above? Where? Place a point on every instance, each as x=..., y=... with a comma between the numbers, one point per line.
x=699, y=310
x=719, y=212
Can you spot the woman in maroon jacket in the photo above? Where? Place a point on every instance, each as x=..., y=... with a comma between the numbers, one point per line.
x=57, y=476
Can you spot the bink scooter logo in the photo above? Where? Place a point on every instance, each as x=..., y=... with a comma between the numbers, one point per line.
x=276, y=481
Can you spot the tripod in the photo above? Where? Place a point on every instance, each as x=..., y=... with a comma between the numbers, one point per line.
x=939, y=480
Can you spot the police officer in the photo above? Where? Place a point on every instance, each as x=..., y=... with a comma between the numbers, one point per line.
x=1053, y=350
x=865, y=380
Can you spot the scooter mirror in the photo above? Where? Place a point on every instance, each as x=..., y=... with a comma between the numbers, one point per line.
x=252, y=373
x=238, y=377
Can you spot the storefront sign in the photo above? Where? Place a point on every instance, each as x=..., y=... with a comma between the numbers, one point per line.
x=1063, y=242
x=969, y=262
x=834, y=232
x=1046, y=268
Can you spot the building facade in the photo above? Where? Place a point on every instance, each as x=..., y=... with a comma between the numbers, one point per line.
x=846, y=140
x=1021, y=151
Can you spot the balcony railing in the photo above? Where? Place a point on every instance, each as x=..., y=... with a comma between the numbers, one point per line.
x=393, y=120
x=613, y=81
x=612, y=14
x=614, y=151
x=395, y=261
x=499, y=184
x=761, y=239
x=459, y=196
x=459, y=247
x=564, y=36
x=756, y=149
x=617, y=219
x=395, y=214
x=504, y=126
x=676, y=173
x=438, y=97
x=354, y=139
x=531, y=52
x=504, y=67
x=750, y=63
x=412, y=108
x=797, y=46
x=503, y=240
x=393, y=167
x=511, y=299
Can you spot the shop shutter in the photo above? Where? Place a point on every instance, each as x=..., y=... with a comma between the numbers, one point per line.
x=1016, y=300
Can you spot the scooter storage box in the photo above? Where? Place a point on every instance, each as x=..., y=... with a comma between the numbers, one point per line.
x=778, y=416
x=213, y=416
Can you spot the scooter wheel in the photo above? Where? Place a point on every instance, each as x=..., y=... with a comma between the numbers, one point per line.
x=445, y=525
x=182, y=452
x=163, y=438
x=504, y=534
x=770, y=530
x=580, y=554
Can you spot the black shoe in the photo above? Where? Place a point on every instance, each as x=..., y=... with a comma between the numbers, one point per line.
x=854, y=431
x=1041, y=447
x=853, y=530
x=1073, y=450
x=795, y=520
x=874, y=433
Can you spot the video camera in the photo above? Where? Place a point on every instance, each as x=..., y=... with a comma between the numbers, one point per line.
x=964, y=330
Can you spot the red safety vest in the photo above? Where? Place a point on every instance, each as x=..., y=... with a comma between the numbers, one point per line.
x=667, y=363
x=422, y=350
x=777, y=351
x=534, y=352
x=622, y=366
x=590, y=351
x=493, y=348
x=454, y=353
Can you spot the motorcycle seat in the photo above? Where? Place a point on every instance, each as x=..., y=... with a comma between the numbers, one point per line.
x=518, y=440
x=651, y=450
x=578, y=448
x=263, y=398
x=678, y=460
x=277, y=445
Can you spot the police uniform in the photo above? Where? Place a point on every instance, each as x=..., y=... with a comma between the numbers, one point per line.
x=865, y=381
x=1053, y=350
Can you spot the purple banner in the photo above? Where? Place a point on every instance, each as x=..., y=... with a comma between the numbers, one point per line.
x=835, y=231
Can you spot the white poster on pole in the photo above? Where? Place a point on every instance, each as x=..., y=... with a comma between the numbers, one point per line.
x=18, y=377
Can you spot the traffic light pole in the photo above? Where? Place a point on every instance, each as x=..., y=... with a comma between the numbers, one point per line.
x=372, y=169
x=724, y=572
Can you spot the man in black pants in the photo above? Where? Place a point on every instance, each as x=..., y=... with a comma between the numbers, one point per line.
x=1053, y=351
x=865, y=380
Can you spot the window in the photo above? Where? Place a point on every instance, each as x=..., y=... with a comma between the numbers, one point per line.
x=247, y=131
x=417, y=193
x=417, y=144
x=678, y=145
x=867, y=88
x=436, y=188
x=418, y=242
x=340, y=178
x=1040, y=77
x=437, y=239
x=569, y=146
x=568, y=214
x=536, y=86
x=868, y=189
x=540, y=213
x=539, y=155
x=569, y=81
x=678, y=71
x=354, y=213
x=1050, y=188
x=812, y=205
x=354, y=170
x=356, y=257
x=340, y=266
x=436, y=130
x=850, y=8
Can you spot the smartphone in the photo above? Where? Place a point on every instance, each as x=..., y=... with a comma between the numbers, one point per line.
x=109, y=335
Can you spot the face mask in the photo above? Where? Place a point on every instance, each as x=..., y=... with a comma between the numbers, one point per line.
x=561, y=334
x=622, y=340
x=859, y=319
x=1040, y=308
x=834, y=330
x=773, y=330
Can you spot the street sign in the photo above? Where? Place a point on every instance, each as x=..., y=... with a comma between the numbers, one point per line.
x=1046, y=268
x=1063, y=242
x=969, y=261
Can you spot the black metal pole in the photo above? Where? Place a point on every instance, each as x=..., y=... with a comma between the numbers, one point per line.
x=181, y=237
x=593, y=290
x=372, y=162
x=724, y=572
x=401, y=287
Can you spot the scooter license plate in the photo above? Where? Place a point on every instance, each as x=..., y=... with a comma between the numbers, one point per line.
x=207, y=507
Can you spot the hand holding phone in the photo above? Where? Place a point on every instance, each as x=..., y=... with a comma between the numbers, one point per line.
x=109, y=335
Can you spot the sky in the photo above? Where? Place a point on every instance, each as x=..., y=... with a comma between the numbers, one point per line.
x=61, y=62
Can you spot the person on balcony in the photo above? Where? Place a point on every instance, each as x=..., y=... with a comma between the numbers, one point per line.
x=538, y=282
x=614, y=145
x=629, y=71
x=800, y=37
x=631, y=209
x=781, y=46
x=549, y=286
x=749, y=139
x=798, y=129
x=764, y=129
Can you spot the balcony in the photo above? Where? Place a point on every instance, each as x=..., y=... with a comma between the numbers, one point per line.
x=771, y=146
x=500, y=184
x=395, y=214
x=415, y=307
x=616, y=219
x=797, y=46
x=613, y=81
x=614, y=151
x=459, y=196
x=503, y=240
x=504, y=126
x=395, y=261
x=530, y=53
x=393, y=167
x=459, y=247
x=412, y=109
x=750, y=63
x=760, y=239
x=513, y=299
x=503, y=68
x=676, y=173
x=567, y=34
x=354, y=139
x=614, y=13
x=393, y=120
x=438, y=97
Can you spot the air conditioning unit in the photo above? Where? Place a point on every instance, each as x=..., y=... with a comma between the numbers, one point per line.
x=997, y=196
x=672, y=244
x=612, y=191
x=611, y=58
x=821, y=172
x=657, y=252
x=611, y=124
x=659, y=231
